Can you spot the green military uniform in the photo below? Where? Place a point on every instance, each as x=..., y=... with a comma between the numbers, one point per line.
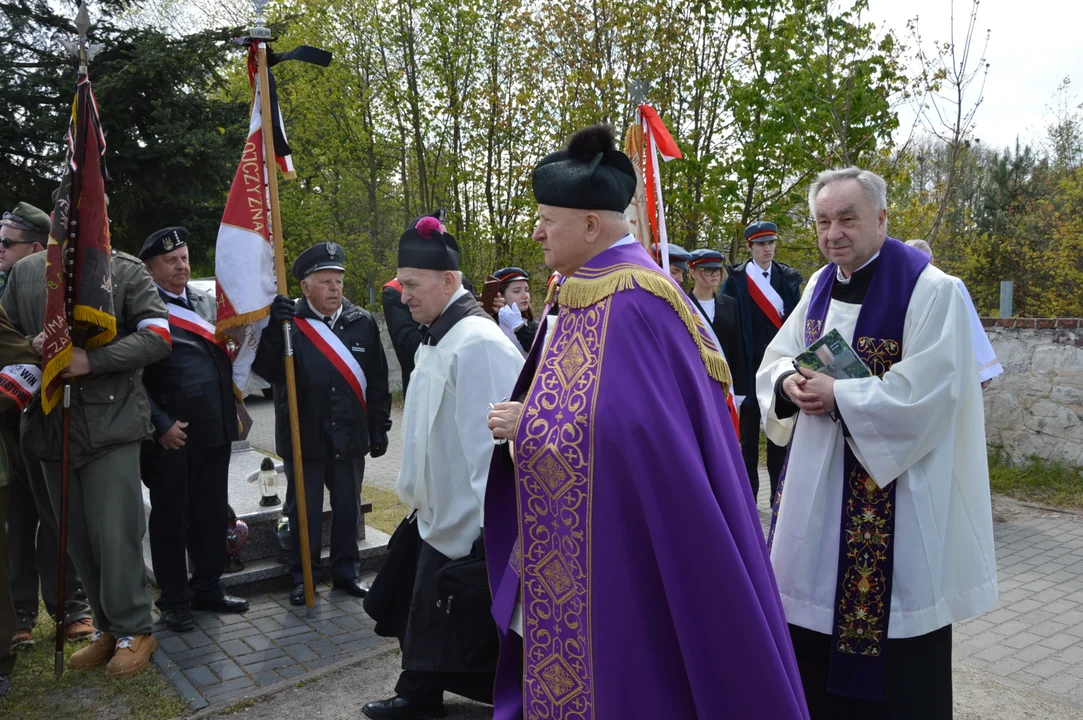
x=14, y=349
x=110, y=417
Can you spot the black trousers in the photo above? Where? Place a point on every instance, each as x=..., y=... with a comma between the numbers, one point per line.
x=189, y=498
x=7, y=610
x=429, y=687
x=917, y=679
x=342, y=478
x=750, y=449
x=34, y=546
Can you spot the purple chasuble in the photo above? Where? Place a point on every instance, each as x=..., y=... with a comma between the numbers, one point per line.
x=866, y=540
x=625, y=524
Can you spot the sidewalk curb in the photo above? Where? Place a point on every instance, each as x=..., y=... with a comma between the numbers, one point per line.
x=207, y=710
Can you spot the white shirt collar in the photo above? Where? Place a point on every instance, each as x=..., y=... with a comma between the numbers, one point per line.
x=846, y=280
x=628, y=239
x=335, y=315
x=758, y=269
x=182, y=296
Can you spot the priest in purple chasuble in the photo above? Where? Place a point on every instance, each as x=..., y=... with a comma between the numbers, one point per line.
x=629, y=572
x=882, y=534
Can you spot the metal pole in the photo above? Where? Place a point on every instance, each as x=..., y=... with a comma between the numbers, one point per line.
x=280, y=271
x=1007, y=288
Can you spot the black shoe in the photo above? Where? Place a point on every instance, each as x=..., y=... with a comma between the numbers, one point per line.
x=178, y=620
x=399, y=708
x=297, y=595
x=224, y=604
x=353, y=586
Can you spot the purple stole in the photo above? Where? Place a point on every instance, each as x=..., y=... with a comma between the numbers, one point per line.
x=866, y=539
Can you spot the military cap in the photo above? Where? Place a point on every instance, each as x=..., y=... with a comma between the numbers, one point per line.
x=321, y=256
x=704, y=258
x=678, y=256
x=761, y=231
x=591, y=174
x=510, y=274
x=27, y=217
x=427, y=247
x=164, y=241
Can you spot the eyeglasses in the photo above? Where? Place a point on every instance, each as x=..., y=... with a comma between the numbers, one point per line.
x=6, y=243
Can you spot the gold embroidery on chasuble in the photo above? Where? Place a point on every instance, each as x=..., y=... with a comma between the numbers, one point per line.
x=554, y=471
x=878, y=353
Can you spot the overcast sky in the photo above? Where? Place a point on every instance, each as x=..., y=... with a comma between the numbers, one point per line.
x=1034, y=44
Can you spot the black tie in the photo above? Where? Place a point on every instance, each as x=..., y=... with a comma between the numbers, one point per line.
x=765, y=273
x=327, y=321
x=178, y=301
x=426, y=336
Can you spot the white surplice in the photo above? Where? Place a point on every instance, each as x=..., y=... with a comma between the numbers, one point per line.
x=984, y=355
x=921, y=426
x=447, y=444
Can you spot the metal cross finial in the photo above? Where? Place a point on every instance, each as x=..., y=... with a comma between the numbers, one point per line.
x=638, y=90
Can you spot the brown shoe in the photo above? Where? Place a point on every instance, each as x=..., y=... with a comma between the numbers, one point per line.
x=79, y=630
x=22, y=639
x=96, y=653
x=133, y=654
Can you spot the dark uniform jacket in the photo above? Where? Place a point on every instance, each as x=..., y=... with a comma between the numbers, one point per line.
x=194, y=383
x=405, y=333
x=757, y=330
x=334, y=425
x=110, y=405
x=727, y=328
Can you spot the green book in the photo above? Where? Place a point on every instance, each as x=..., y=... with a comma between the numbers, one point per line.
x=833, y=356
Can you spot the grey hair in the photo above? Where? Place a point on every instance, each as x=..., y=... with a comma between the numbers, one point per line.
x=874, y=186
x=921, y=245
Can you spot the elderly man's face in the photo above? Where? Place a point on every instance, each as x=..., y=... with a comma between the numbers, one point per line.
x=323, y=290
x=15, y=244
x=426, y=292
x=850, y=228
x=563, y=234
x=171, y=270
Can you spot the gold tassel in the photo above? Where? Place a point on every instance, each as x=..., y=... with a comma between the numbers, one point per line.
x=582, y=292
x=96, y=318
x=54, y=368
x=552, y=291
x=242, y=319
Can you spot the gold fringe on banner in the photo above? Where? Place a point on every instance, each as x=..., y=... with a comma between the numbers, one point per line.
x=598, y=284
x=93, y=317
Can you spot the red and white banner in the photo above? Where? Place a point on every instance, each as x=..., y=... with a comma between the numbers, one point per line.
x=658, y=144
x=189, y=320
x=20, y=382
x=160, y=326
x=334, y=350
x=244, y=264
x=766, y=297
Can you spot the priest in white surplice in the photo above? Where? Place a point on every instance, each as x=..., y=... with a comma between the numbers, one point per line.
x=882, y=535
x=464, y=364
x=984, y=355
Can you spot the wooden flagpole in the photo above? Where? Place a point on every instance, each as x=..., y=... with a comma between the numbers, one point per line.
x=280, y=271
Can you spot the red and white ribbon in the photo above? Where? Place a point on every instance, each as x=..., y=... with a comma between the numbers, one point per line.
x=191, y=321
x=765, y=296
x=20, y=383
x=160, y=326
x=337, y=353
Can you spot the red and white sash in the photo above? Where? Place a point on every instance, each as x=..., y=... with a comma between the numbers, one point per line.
x=20, y=383
x=765, y=296
x=158, y=326
x=337, y=353
x=190, y=320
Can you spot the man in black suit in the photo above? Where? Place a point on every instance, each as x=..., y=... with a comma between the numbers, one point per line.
x=186, y=465
x=721, y=314
x=766, y=292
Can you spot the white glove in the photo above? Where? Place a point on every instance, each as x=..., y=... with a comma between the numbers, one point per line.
x=511, y=318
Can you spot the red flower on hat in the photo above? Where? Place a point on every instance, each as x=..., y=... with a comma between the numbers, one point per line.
x=428, y=228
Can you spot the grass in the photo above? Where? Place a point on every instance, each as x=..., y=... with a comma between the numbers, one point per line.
x=387, y=510
x=37, y=693
x=1044, y=481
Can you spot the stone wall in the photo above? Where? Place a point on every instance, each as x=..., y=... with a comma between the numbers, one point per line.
x=1036, y=406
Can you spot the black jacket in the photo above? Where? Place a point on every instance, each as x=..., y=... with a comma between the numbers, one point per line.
x=405, y=333
x=333, y=422
x=194, y=383
x=727, y=328
x=756, y=329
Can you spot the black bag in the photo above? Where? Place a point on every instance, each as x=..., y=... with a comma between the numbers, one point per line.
x=388, y=600
x=463, y=591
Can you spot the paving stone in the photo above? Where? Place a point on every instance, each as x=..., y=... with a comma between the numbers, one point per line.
x=349, y=624
x=300, y=653
x=994, y=653
x=201, y=676
x=172, y=645
x=1027, y=678
x=361, y=645
x=235, y=647
x=266, y=678
x=267, y=624
x=1033, y=653
x=322, y=662
x=255, y=657
x=225, y=691
x=1072, y=655
x=236, y=632
x=291, y=634
x=197, y=657
x=323, y=648
x=1059, y=642
x=291, y=671
x=1021, y=640
x=1050, y=595
x=197, y=638
x=225, y=670
x=259, y=643
x=1007, y=629
x=1061, y=684
x=1047, y=668
x=274, y=664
